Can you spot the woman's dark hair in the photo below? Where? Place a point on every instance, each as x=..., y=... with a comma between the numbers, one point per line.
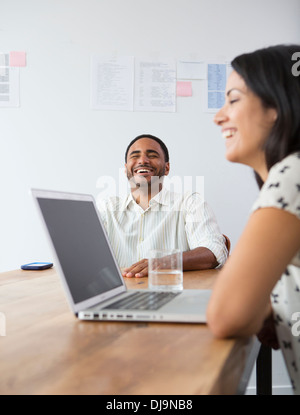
x=158, y=140
x=268, y=73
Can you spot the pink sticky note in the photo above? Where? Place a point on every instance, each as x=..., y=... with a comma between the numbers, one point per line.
x=184, y=89
x=17, y=59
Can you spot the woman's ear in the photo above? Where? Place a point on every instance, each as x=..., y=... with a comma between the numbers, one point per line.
x=273, y=114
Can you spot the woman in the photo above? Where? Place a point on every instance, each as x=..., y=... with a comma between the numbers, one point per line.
x=260, y=281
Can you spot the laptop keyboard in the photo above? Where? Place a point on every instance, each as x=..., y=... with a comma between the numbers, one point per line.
x=148, y=300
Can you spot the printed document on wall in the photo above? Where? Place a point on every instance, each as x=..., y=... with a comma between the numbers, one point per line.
x=9, y=83
x=217, y=74
x=112, y=81
x=155, y=85
x=191, y=69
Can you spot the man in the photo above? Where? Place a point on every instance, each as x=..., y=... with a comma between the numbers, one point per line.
x=152, y=217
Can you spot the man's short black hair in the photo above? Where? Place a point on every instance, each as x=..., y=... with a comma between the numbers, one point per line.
x=158, y=140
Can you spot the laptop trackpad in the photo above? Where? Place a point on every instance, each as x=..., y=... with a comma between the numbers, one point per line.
x=190, y=301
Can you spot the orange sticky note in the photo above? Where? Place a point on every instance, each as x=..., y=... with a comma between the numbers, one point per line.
x=17, y=59
x=183, y=89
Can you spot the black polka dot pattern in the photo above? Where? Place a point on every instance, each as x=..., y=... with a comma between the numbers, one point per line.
x=282, y=190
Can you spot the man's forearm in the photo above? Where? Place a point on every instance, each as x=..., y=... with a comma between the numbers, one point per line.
x=198, y=258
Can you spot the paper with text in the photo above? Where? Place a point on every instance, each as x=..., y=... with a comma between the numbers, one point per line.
x=155, y=85
x=112, y=81
x=191, y=69
x=217, y=74
x=9, y=83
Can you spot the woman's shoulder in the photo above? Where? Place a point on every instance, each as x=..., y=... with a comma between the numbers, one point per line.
x=288, y=166
x=285, y=174
x=282, y=187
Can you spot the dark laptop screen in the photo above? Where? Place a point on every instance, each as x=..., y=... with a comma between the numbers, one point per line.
x=81, y=247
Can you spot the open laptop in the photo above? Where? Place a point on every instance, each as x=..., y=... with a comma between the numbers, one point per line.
x=90, y=275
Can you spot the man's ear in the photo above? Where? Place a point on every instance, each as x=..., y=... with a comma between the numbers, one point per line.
x=167, y=167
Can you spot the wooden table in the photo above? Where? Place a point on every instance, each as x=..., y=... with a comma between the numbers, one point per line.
x=46, y=350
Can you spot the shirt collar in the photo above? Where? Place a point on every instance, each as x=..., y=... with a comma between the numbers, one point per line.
x=162, y=198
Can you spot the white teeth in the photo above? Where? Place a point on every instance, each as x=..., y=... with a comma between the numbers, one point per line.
x=143, y=171
x=228, y=133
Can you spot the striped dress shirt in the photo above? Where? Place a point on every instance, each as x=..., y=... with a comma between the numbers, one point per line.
x=171, y=221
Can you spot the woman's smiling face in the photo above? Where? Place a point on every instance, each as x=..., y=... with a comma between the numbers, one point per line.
x=246, y=124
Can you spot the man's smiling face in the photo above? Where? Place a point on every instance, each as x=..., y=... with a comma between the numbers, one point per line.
x=146, y=160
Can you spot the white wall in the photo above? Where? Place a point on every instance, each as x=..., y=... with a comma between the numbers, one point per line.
x=54, y=140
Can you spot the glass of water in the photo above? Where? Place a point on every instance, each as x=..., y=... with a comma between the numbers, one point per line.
x=165, y=270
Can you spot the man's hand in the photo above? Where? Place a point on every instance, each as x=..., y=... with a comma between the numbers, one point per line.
x=138, y=270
